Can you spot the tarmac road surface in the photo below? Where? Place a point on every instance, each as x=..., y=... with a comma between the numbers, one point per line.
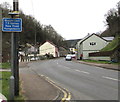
x=84, y=82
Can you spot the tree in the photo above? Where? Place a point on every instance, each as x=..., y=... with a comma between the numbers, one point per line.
x=113, y=20
x=33, y=32
x=53, y=36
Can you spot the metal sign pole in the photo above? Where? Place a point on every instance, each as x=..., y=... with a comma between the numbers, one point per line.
x=0, y=34
x=14, y=54
x=0, y=46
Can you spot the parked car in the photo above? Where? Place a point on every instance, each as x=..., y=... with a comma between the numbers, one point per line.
x=68, y=58
x=3, y=98
x=73, y=56
x=34, y=58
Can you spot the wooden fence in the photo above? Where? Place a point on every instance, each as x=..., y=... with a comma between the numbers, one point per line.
x=104, y=53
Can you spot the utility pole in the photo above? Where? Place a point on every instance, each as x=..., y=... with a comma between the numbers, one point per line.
x=14, y=53
x=0, y=46
x=35, y=52
x=0, y=35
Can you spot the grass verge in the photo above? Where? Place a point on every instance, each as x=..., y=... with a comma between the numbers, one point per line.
x=100, y=62
x=5, y=86
x=112, y=45
x=5, y=83
x=5, y=65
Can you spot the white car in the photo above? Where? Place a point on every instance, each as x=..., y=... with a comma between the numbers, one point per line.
x=3, y=98
x=68, y=58
x=34, y=59
x=73, y=56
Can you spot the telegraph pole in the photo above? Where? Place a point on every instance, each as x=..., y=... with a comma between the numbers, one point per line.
x=0, y=35
x=14, y=52
x=0, y=45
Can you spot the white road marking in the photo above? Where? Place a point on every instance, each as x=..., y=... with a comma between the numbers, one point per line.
x=76, y=70
x=110, y=78
x=41, y=75
x=64, y=66
x=82, y=71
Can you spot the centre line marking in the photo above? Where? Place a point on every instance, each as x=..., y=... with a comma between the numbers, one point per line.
x=64, y=67
x=82, y=71
x=67, y=67
x=110, y=78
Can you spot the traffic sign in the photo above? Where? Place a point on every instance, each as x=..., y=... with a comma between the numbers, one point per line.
x=12, y=24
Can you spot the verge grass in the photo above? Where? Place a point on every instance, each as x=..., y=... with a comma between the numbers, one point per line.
x=112, y=45
x=5, y=80
x=5, y=65
x=5, y=83
x=101, y=62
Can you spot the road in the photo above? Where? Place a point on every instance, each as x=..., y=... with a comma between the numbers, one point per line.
x=84, y=82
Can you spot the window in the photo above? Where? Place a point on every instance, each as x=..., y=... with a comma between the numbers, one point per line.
x=92, y=43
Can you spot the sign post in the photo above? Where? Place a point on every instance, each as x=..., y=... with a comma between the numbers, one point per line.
x=14, y=25
x=0, y=37
x=14, y=51
x=0, y=44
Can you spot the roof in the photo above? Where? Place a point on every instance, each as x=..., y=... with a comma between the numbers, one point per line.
x=62, y=49
x=88, y=36
x=108, y=38
x=72, y=43
x=49, y=42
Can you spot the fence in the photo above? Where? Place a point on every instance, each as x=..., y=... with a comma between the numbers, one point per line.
x=104, y=53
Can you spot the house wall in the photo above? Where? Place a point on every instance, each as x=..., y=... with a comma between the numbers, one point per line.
x=91, y=44
x=86, y=54
x=99, y=43
x=47, y=48
x=72, y=50
x=57, y=54
x=79, y=48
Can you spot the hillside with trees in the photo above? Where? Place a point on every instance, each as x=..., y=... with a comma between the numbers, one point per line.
x=113, y=29
x=33, y=32
x=112, y=19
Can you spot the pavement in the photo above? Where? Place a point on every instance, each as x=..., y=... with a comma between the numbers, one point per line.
x=5, y=70
x=106, y=66
x=35, y=87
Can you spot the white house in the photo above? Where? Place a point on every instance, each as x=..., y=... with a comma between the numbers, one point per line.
x=91, y=43
x=72, y=50
x=48, y=48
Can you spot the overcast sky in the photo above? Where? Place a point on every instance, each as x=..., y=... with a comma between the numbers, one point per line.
x=73, y=19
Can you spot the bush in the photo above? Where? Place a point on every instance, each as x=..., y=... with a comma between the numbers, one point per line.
x=43, y=57
x=51, y=56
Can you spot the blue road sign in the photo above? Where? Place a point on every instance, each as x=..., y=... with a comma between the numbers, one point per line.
x=12, y=24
